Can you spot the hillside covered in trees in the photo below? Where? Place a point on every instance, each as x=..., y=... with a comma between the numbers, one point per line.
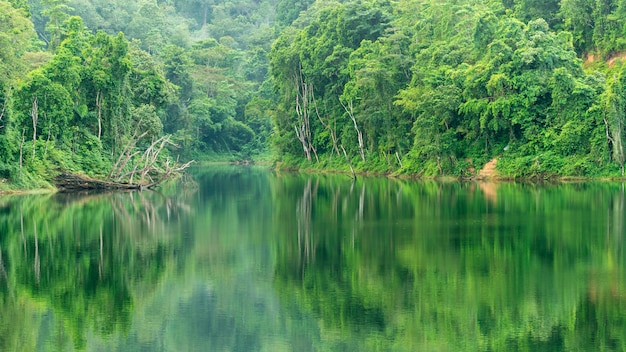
x=441, y=87
x=423, y=87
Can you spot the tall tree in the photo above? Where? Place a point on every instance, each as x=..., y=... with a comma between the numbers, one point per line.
x=57, y=12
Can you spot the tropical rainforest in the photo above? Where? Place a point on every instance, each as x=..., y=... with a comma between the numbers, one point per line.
x=419, y=87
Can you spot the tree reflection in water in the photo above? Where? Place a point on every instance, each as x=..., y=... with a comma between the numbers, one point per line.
x=79, y=257
x=431, y=266
x=257, y=261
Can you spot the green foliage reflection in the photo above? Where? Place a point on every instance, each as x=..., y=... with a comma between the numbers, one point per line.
x=397, y=265
x=80, y=258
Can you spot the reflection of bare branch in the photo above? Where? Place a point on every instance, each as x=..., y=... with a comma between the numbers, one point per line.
x=37, y=264
x=119, y=209
x=361, y=203
x=147, y=207
x=303, y=213
x=3, y=274
x=22, y=231
x=101, y=261
x=615, y=228
x=149, y=211
x=172, y=204
x=168, y=203
x=134, y=210
x=49, y=239
x=336, y=194
x=3, y=271
x=117, y=198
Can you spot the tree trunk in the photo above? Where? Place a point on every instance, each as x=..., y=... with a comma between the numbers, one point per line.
x=35, y=116
x=22, y=232
x=4, y=107
x=619, y=148
x=350, y=110
x=349, y=162
x=22, y=149
x=399, y=160
x=45, y=149
x=303, y=126
x=99, y=112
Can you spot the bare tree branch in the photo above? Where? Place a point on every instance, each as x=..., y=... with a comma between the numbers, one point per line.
x=34, y=113
x=350, y=110
x=150, y=169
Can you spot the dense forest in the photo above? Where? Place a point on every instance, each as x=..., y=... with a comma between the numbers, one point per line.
x=421, y=87
x=87, y=84
x=442, y=87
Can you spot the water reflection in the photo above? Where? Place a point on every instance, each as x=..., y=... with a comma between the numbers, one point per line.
x=430, y=266
x=253, y=261
x=75, y=260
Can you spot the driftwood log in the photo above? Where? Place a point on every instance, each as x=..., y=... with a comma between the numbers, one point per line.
x=66, y=182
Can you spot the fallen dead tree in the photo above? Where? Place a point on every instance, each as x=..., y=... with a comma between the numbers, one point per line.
x=67, y=182
x=150, y=169
x=131, y=171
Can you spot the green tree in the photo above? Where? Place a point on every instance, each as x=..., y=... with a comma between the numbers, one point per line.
x=527, y=10
x=288, y=11
x=377, y=71
x=311, y=65
x=45, y=108
x=613, y=107
x=57, y=12
x=578, y=19
x=16, y=33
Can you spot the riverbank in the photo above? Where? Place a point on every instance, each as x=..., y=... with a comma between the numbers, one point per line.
x=488, y=173
x=14, y=192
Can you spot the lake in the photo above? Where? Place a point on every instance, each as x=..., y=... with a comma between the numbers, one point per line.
x=246, y=259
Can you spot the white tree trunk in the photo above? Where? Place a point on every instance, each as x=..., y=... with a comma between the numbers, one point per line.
x=34, y=113
x=350, y=110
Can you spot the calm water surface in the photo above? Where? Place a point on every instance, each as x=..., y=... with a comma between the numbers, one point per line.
x=250, y=260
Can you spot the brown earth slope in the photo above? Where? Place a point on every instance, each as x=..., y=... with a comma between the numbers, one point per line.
x=489, y=170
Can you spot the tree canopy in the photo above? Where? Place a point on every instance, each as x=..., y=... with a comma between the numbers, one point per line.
x=436, y=87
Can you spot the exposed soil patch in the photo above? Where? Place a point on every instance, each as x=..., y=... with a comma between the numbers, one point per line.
x=489, y=170
x=618, y=57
